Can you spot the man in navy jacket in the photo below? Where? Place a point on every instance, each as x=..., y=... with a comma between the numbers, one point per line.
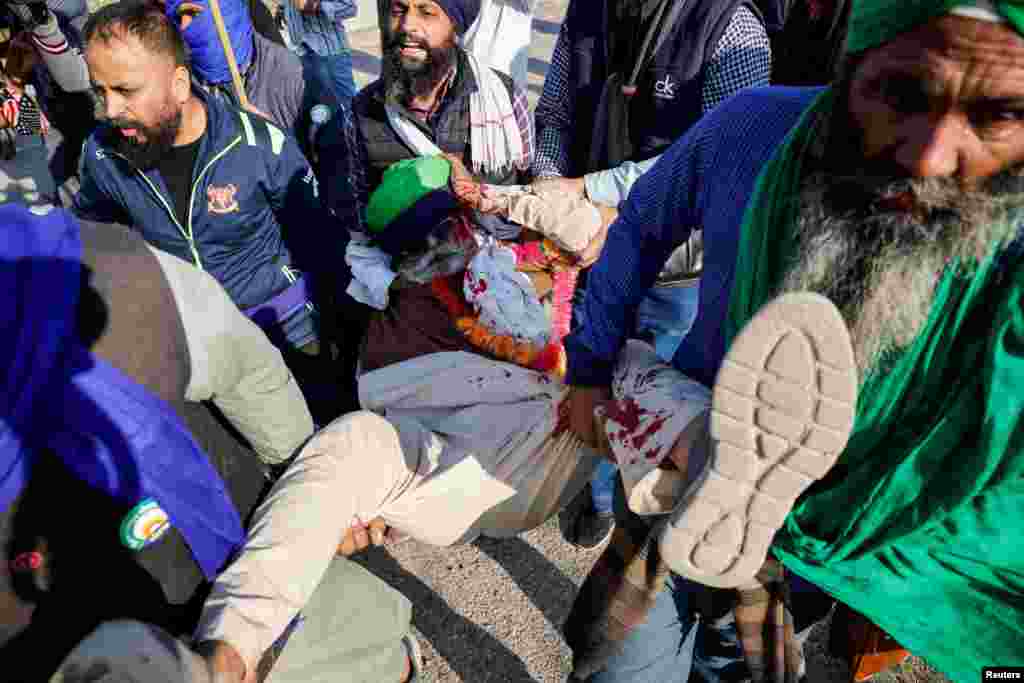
x=222, y=188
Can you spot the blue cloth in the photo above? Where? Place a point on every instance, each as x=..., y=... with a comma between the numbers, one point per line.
x=462, y=12
x=256, y=214
x=208, y=61
x=660, y=650
x=322, y=44
x=705, y=179
x=676, y=645
x=322, y=33
x=333, y=75
x=108, y=430
x=70, y=9
x=602, y=485
x=665, y=316
x=611, y=187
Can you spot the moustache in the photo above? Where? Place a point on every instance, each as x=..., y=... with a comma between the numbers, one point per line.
x=400, y=40
x=877, y=191
x=122, y=123
x=884, y=187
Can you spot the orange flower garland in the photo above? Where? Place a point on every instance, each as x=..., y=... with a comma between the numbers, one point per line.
x=549, y=358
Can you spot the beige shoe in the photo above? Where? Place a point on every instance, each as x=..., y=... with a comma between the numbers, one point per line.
x=782, y=410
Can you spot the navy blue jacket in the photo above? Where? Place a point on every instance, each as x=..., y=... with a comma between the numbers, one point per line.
x=255, y=218
x=668, y=99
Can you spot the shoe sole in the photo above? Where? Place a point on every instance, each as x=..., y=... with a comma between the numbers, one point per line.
x=782, y=410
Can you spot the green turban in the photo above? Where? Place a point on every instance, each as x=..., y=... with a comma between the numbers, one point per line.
x=876, y=22
x=403, y=185
x=931, y=483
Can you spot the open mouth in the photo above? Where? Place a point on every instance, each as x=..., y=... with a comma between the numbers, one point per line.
x=902, y=202
x=127, y=131
x=413, y=50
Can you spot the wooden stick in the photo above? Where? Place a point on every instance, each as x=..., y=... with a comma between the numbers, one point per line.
x=229, y=52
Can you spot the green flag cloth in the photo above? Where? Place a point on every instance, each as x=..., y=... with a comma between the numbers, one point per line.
x=404, y=183
x=876, y=22
x=920, y=524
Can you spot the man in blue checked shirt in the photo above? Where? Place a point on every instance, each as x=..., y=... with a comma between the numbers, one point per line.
x=609, y=109
x=317, y=35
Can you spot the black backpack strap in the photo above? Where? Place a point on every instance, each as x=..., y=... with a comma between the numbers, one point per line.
x=659, y=32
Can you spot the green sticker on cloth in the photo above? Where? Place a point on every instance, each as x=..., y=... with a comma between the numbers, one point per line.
x=144, y=525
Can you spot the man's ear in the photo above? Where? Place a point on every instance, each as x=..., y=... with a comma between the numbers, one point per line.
x=181, y=86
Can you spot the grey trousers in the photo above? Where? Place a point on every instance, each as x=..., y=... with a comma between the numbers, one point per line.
x=350, y=632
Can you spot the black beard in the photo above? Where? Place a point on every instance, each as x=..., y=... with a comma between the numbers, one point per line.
x=159, y=140
x=406, y=81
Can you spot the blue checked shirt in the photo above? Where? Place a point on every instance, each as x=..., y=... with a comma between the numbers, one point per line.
x=322, y=33
x=703, y=181
x=742, y=59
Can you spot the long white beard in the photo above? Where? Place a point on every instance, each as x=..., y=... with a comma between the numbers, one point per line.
x=882, y=272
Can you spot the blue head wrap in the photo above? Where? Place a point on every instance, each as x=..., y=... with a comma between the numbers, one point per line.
x=208, y=60
x=107, y=429
x=462, y=12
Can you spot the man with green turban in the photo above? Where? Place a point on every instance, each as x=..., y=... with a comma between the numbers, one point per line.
x=898, y=195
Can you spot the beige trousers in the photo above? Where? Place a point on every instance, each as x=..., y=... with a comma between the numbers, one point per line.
x=457, y=446
x=357, y=468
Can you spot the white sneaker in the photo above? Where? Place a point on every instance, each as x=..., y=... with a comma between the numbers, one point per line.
x=782, y=410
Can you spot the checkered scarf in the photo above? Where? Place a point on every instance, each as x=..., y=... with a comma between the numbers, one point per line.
x=496, y=144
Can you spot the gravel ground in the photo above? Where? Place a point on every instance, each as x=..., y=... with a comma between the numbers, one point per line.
x=491, y=612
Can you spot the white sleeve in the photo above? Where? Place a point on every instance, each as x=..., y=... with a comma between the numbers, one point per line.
x=371, y=272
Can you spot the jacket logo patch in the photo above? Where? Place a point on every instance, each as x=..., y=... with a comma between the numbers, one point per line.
x=310, y=179
x=222, y=199
x=665, y=88
x=144, y=525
